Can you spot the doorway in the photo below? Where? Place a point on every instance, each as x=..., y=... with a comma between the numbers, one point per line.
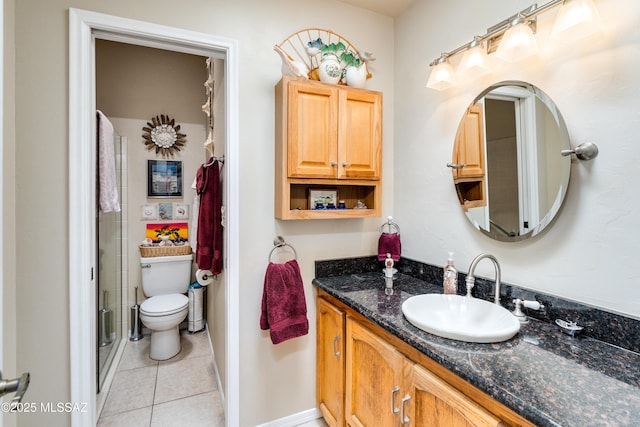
x=85, y=26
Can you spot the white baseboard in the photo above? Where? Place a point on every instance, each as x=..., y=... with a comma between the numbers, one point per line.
x=295, y=419
x=215, y=370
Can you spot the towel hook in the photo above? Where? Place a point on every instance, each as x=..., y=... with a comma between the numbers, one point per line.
x=278, y=242
x=390, y=224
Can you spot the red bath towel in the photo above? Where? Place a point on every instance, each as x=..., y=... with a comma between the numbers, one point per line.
x=389, y=243
x=284, y=309
x=209, y=243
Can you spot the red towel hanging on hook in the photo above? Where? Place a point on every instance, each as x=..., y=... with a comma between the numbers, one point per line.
x=209, y=244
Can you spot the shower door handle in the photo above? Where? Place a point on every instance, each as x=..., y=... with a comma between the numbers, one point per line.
x=17, y=385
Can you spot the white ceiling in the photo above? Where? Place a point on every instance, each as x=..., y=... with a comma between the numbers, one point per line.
x=385, y=7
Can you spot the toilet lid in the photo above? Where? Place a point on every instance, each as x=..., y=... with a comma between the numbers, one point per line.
x=164, y=304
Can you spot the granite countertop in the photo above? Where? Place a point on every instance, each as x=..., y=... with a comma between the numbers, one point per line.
x=550, y=378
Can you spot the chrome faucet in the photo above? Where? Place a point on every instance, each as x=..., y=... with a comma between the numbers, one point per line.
x=471, y=279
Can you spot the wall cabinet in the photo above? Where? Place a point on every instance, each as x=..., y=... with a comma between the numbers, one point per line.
x=391, y=384
x=327, y=137
x=468, y=159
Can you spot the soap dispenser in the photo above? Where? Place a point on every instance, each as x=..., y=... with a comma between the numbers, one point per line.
x=450, y=281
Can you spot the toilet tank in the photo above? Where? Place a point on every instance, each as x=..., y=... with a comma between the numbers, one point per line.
x=163, y=275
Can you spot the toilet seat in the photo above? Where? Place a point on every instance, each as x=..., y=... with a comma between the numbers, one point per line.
x=164, y=305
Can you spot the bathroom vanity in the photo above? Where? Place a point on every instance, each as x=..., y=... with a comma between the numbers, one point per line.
x=376, y=368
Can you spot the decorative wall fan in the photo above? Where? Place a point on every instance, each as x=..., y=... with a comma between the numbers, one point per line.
x=303, y=52
x=163, y=134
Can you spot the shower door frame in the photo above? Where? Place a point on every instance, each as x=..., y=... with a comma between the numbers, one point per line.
x=84, y=27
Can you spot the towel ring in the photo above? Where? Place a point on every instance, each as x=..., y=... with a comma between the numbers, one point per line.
x=389, y=224
x=279, y=242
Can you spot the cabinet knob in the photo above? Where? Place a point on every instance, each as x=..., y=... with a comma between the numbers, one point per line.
x=333, y=163
x=345, y=164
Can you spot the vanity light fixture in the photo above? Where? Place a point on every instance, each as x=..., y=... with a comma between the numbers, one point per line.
x=474, y=62
x=518, y=42
x=442, y=76
x=576, y=19
x=513, y=39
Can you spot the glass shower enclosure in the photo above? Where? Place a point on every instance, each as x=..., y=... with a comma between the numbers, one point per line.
x=109, y=307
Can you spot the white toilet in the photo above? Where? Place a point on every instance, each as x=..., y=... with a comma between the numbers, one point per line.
x=164, y=280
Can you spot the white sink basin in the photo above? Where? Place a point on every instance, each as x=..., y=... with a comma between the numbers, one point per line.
x=461, y=318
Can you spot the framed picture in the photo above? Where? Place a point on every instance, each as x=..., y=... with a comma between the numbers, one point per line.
x=165, y=211
x=323, y=199
x=150, y=211
x=180, y=211
x=164, y=178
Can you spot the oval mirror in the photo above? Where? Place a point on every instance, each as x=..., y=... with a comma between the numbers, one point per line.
x=508, y=172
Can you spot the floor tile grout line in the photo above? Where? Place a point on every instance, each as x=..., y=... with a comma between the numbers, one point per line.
x=155, y=388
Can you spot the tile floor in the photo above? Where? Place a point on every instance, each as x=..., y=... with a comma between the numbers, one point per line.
x=180, y=391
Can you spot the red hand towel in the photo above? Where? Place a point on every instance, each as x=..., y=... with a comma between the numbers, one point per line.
x=389, y=243
x=284, y=309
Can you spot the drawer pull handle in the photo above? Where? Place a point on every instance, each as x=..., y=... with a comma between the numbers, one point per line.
x=403, y=417
x=335, y=350
x=394, y=410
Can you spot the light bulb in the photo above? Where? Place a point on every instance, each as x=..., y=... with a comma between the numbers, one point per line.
x=442, y=75
x=474, y=63
x=517, y=43
x=576, y=19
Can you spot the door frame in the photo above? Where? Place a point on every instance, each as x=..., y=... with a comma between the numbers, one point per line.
x=84, y=26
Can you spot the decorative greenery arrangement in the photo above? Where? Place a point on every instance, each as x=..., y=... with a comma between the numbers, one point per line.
x=347, y=58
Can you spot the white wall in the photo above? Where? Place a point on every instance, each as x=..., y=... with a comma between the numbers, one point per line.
x=589, y=253
x=275, y=381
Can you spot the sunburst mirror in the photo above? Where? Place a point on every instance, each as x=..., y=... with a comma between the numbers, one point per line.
x=163, y=135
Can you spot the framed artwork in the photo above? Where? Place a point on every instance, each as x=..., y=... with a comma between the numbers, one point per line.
x=177, y=231
x=180, y=211
x=150, y=211
x=165, y=211
x=164, y=179
x=323, y=199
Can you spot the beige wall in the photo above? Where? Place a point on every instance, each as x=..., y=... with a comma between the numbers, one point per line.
x=9, y=337
x=275, y=381
x=589, y=253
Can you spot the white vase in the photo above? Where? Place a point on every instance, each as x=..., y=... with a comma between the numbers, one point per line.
x=329, y=70
x=356, y=76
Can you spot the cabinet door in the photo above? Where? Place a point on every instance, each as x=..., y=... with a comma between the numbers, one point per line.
x=330, y=362
x=373, y=380
x=360, y=135
x=435, y=403
x=469, y=145
x=312, y=122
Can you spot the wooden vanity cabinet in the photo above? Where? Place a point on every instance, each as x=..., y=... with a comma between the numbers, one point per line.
x=330, y=343
x=433, y=402
x=389, y=383
x=327, y=137
x=468, y=159
x=373, y=379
